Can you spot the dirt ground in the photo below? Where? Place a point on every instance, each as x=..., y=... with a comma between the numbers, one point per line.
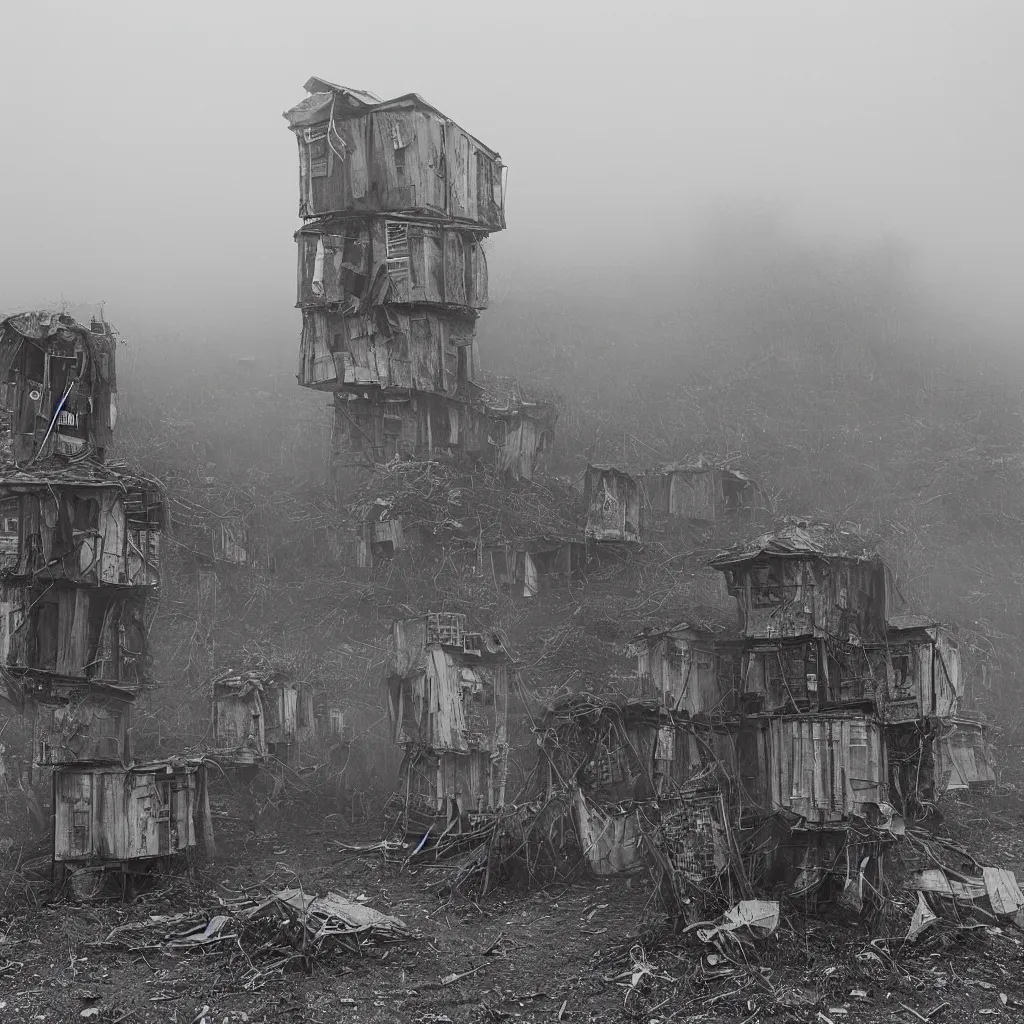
x=589, y=951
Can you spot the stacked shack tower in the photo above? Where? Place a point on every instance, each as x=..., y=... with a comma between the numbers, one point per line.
x=79, y=547
x=397, y=200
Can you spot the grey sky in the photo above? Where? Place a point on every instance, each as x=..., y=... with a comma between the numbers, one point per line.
x=146, y=161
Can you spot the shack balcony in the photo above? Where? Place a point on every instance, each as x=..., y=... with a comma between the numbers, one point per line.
x=359, y=155
x=808, y=675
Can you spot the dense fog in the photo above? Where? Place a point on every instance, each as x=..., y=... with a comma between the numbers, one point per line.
x=147, y=164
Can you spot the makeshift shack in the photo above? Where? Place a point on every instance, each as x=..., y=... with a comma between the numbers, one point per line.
x=448, y=706
x=416, y=348
x=358, y=154
x=356, y=264
x=82, y=524
x=258, y=714
x=964, y=757
x=700, y=493
x=680, y=667
x=922, y=670
x=805, y=579
x=602, y=750
x=57, y=386
x=533, y=564
x=83, y=725
x=53, y=634
x=374, y=426
x=613, y=505
x=130, y=819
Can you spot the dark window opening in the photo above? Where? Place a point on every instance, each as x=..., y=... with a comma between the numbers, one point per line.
x=901, y=670
x=766, y=585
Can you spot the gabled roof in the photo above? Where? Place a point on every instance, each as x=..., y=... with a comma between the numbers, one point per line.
x=326, y=100
x=799, y=539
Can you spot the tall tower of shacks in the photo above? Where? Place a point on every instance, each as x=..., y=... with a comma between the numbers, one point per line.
x=79, y=547
x=397, y=200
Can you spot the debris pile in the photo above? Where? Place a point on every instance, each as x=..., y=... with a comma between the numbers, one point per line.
x=286, y=929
